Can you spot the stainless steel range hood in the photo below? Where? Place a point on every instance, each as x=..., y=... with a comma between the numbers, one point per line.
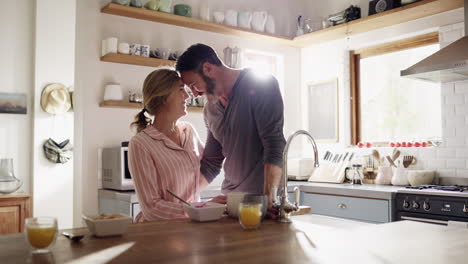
x=447, y=65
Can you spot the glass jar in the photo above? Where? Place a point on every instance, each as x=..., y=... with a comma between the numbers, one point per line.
x=357, y=176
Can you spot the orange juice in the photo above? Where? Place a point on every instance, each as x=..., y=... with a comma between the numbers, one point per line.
x=41, y=236
x=250, y=216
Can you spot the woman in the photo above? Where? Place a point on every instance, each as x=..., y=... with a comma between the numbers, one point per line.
x=165, y=153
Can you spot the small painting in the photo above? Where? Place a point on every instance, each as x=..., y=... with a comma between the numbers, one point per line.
x=11, y=103
x=323, y=110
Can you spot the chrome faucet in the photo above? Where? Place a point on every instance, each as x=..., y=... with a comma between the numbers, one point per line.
x=284, y=206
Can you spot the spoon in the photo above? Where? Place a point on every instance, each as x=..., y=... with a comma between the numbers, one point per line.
x=396, y=154
x=376, y=155
x=177, y=197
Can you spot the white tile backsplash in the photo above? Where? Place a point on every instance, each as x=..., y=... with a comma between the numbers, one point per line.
x=443, y=153
x=456, y=163
x=452, y=159
x=454, y=99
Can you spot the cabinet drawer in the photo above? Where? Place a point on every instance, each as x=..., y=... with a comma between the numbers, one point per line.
x=369, y=210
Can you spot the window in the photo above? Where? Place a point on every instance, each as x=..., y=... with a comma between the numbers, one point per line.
x=387, y=107
x=264, y=64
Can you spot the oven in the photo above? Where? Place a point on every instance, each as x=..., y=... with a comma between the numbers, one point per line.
x=432, y=208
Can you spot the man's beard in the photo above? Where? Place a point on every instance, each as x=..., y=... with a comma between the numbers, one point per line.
x=210, y=84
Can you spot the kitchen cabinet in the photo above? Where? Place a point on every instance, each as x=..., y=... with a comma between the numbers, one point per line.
x=356, y=208
x=14, y=209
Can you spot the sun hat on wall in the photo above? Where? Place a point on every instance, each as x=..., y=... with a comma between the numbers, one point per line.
x=55, y=99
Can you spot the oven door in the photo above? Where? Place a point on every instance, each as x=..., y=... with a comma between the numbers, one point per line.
x=431, y=219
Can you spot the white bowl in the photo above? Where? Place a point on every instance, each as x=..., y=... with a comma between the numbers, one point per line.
x=209, y=212
x=108, y=227
x=420, y=177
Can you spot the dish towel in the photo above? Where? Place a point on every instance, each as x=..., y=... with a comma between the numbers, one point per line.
x=58, y=152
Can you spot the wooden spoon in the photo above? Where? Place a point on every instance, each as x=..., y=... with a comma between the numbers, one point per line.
x=376, y=155
x=391, y=161
x=396, y=154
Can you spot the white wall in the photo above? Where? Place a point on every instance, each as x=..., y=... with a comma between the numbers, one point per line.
x=54, y=62
x=104, y=127
x=331, y=60
x=16, y=76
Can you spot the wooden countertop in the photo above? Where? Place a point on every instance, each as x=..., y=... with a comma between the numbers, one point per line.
x=14, y=195
x=179, y=241
x=309, y=239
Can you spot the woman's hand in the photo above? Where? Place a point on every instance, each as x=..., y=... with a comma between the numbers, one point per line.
x=221, y=199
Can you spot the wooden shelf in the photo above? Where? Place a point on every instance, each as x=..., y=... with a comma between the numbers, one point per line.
x=150, y=15
x=395, y=16
x=389, y=18
x=124, y=104
x=136, y=60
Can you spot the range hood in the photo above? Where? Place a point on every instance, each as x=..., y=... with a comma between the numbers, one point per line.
x=446, y=65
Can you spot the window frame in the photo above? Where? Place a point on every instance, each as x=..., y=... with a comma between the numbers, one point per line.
x=355, y=59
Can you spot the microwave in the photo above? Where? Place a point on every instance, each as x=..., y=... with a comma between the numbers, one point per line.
x=115, y=171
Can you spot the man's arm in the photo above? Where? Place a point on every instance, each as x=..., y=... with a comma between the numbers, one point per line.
x=269, y=118
x=212, y=160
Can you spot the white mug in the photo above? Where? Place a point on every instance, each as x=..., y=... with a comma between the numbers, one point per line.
x=244, y=19
x=135, y=49
x=205, y=13
x=124, y=48
x=233, y=201
x=259, y=19
x=111, y=45
x=270, y=25
x=218, y=17
x=230, y=18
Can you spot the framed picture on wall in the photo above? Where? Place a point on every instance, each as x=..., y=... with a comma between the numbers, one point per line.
x=323, y=110
x=12, y=103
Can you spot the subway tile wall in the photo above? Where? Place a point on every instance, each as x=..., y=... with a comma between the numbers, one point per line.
x=451, y=158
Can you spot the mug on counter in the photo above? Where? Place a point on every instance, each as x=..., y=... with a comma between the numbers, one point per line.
x=233, y=201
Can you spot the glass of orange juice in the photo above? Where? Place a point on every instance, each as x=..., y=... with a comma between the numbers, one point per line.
x=41, y=233
x=250, y=215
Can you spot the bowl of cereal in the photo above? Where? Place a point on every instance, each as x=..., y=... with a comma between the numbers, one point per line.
x=107, y=224
x=206, y=211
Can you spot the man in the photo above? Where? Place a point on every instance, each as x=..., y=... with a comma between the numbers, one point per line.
x=244, y=117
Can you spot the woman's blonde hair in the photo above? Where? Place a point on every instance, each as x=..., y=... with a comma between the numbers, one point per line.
x=156, y=88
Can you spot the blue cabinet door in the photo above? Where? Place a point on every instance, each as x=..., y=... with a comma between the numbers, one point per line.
x=362, y=209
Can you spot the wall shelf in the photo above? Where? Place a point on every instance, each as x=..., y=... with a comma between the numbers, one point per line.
x=136, y=60
x=129, y=105
x=395, y=16
x=388, y=18
x=150, y=15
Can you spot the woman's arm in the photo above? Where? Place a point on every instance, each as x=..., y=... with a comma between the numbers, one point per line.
x=144, y=174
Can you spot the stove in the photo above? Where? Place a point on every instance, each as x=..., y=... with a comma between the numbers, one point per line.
x=436, y=204
x=453, y=188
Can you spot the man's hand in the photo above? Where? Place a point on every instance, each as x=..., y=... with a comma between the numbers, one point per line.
x=221, y=199
x=272, y=213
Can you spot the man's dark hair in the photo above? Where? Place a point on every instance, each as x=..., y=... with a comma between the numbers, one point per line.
x=194, y=57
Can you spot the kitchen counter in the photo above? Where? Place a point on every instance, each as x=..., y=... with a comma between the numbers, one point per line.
x=309, y=239
x=373, y=191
